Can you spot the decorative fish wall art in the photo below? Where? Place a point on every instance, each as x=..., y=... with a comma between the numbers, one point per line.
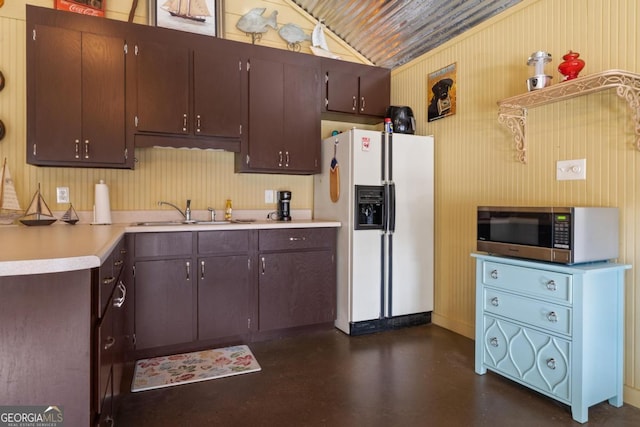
x=254, y=24
x=293, y=35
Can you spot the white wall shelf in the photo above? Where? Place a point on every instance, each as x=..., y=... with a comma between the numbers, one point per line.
x=512, y=112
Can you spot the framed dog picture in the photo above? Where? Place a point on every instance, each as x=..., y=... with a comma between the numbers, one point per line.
x=441, y=87
x=195, y=16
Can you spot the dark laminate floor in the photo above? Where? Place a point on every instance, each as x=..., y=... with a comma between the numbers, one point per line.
x=420, y=376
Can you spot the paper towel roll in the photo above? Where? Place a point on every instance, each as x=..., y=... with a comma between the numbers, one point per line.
x=102, y=208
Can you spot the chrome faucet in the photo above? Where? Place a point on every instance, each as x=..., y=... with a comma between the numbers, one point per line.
x=213, y=214
x=187, y=212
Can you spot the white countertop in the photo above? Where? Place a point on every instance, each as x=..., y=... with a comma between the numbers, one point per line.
x=62, y=247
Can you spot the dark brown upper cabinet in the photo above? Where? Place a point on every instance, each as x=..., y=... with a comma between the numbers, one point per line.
x=284, y=90
x=75, y=96
x=188, y=94
x=355, y=91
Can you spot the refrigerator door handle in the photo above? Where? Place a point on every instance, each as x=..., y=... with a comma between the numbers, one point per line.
x=391, y=207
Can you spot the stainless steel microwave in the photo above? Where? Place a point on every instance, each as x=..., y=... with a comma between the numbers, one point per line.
x=565, y=235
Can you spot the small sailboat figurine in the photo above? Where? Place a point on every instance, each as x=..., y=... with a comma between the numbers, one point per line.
x=38, y=213
x=319, y=45
x=70, y=216
x=9, y=206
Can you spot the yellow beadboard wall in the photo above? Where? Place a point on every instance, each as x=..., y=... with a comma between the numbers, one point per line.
x=206, y=177
x=475, y=156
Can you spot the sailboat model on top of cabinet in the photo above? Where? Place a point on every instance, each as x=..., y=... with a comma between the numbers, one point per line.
x=10, y=208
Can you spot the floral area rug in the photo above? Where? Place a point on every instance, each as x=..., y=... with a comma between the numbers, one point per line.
x=167, y=371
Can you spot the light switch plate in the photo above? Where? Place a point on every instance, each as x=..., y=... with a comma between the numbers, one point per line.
x=571, y=169
x=268, y=196
x=62, y=194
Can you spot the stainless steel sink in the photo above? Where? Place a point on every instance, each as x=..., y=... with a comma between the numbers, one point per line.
x=212, y=222
x=175, y=223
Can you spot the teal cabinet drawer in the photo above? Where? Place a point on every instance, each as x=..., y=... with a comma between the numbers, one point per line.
x=541, y=314
x=532, y=358
x=535, y=282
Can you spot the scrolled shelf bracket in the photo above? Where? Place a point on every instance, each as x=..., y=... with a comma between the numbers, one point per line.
x=514, y=118
x=512, y=112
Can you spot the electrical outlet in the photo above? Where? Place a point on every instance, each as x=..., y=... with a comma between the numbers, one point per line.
x=571, y=169
x=268, y=196
x=62, y=194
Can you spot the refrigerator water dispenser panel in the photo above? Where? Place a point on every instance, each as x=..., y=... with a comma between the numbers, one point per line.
x=369, y=207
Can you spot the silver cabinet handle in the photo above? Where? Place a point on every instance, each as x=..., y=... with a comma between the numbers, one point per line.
x=184, y=122
x=552, y=317
x=297, y=239
x=551, y=285
x=86, y=148
x=77, y=149
x=202, y=269
x=119, y=301
x=362, y=104
x=263, y=264
x=286, y=163
x=494, y=274
x=108, y=280
x=493, y=342
x=355, y=103
x=188, y=267
x=495, y=302
x=551, y=363
x=279, y=159
x=198, y=123
x=109, y=342
x=118, y=263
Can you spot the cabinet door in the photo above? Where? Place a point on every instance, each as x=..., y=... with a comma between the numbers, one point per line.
x=223, y=296
x=54, y=95
x=296, y=289
x=375, y=91
x=356, y=89
x=217, y=93
x=342, y=92
x=164, y=302
x=302, y=117
x=76, y=102
x=106, y=349
x=284, y=116
x=163, y=88
x=103, y=99
x=266, y=114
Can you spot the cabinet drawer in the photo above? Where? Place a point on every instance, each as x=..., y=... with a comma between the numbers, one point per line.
x=296, y=238
x=535, y=282
x=106, y=283
x=542, y=314
x=217, y=242
x=119, y=256
x=528, y=356
x=163, y=244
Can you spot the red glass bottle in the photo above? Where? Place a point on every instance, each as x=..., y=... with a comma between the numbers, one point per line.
x=571, y=66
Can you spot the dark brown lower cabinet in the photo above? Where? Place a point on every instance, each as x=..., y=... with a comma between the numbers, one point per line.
x=223, y=297
x=197, y=289
x=296, y=289
x=164, y=298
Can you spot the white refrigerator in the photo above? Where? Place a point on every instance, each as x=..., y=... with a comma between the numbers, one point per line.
x=380, y=187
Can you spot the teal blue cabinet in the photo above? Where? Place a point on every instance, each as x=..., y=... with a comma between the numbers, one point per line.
x=556, y=329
